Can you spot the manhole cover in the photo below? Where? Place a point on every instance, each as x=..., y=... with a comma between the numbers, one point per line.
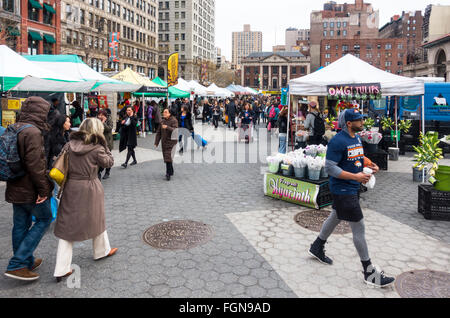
x=314, y=219
x=423, y=284
x=178, y=235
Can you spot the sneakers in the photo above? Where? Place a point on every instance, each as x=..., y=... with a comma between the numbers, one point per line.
x=22, y=274
x=37, y=263
x=106, y=176
x=125, y=165
x=375, y=277
x=317, y=250
x=133, y=163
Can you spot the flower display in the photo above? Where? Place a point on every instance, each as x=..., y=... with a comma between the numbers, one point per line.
x=371, y=137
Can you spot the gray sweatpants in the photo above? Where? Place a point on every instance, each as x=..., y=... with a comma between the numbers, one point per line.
x=358, y=230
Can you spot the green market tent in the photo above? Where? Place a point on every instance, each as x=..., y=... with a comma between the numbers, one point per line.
x=73, y=66
x=173, y=92
x=19, y=74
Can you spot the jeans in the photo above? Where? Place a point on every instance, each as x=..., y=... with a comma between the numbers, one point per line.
x=282, y=147
x=216, y=120
x=25, y=237
x=148, y=123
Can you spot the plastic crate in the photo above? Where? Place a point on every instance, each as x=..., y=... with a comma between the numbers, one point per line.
x=325, y=198
x=380, y=158
x=434, y=204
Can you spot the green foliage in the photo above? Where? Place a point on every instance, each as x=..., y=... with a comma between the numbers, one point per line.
x=428, y=153
x=405, y=125
x=387, y=123
x=369, y=123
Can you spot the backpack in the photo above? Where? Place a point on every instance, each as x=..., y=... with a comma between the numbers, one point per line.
x=319, y=125
x=10, y=165
x=272, y=112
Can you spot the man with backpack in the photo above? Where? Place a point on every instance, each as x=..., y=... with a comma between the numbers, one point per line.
x=28, y=188
x=315, y=124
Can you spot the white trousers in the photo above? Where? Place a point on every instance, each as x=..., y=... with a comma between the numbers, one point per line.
x=64, y=254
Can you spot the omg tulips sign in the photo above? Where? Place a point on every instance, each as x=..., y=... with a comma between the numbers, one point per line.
x=355, y=91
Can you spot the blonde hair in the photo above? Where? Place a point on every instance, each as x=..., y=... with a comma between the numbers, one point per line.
x=92, y=129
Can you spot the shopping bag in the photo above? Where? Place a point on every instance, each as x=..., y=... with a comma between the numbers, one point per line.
x=60, y=168
x=226, y=119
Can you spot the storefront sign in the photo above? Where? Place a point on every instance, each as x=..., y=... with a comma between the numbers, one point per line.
x=291, y=190
x=8, y=118
x=437, y=102
x=355, y=91
x=14, y=104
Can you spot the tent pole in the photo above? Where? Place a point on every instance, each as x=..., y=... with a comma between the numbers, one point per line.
x=423, y=130
x=289, y=117
x=396, y=121
x=143, y=117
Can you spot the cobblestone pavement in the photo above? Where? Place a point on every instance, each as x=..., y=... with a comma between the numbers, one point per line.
x=257, y=249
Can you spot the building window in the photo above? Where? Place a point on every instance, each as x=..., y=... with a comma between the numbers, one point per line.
x=48, y=14
x=325, y=25
x=327, y=47
x=327, y=56
x=338, y=25
x=344, y=48
x=33, y=46
x=33, y=7
x=325, y=33
x=8, y=5
x=331, y=25
x=345, y=24
x=388, y=46
x=344, y=33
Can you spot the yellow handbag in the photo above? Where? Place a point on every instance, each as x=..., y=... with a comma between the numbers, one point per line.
x=60, y=168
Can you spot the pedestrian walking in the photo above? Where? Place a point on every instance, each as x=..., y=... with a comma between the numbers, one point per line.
x=58, y=137
x=128, y=136
x=107, y=122
x=345, y=162
x=216, y=114
x=149, y=115
x=186, y=129
x=315, y=124
x=156, y=117
x=282, y=125
x=30, y=195
x=165, y=135
x=230, y=110
x=81, y=214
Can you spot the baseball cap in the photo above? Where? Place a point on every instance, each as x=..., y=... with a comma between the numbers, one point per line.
x=352, y=115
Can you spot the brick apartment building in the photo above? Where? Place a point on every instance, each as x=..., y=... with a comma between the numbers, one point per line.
x=407, y=26
x=386, y=54
x=38, y=29
x=341, y=22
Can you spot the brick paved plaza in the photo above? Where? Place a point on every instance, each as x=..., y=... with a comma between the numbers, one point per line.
x=257, y=249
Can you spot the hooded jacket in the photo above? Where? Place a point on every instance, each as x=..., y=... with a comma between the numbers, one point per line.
x=26, y=189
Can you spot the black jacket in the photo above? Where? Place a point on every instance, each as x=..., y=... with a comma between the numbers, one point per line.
x=282, y=124
x=128, y=137
x=187, y=122
x=230, y=109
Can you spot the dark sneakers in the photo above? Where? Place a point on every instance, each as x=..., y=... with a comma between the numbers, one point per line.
x=317, y=250
x=376, y=278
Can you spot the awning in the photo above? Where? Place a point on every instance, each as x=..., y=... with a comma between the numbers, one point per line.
x=49, y=38
x=13, y=31
x=49, y=8
x=35, y=4
x=35, y=35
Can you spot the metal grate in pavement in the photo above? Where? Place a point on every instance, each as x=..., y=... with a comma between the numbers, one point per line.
x=178, y=235
x=423, y=284
x=313, y=220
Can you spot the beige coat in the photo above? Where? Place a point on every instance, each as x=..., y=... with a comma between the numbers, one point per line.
x=81, y=213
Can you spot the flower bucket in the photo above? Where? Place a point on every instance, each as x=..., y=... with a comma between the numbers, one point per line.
x=418, y=174
x=287, y=170
x=300, y=172
x=323, y=173
x=372, y=148
x=314, y=175
x=443, y=179
x=274, y=168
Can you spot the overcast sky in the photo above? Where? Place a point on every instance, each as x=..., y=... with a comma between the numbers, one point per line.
x=273, y=17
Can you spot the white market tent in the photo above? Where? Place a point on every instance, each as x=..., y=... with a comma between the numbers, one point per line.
x=183, y=85
x=214, y=90
x=19, y=74
x=72, y=65
x=199, y=89
x=351, y=70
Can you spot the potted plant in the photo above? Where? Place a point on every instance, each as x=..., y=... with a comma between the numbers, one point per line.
x=428, y=156
x=372, y=139
x=369, y=123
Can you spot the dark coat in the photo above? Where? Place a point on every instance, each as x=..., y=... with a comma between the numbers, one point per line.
x=81, y=213
x=128, y=135
x=282, y=124
x=26, y=189
x=231, y=109
x=156, y=114
x=165, y=137
x=108, y=128
x=187, y=122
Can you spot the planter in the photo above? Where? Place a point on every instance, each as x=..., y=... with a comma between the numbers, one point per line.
x=394, y=153
x=300, y=172
x=274, y=168
x=287, y=170
x=323, y=174
x=314, y=175
x=443, y=179
x=418, y=174
x=371, y=148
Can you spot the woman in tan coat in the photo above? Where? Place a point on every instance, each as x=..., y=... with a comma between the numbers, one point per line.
x=169, y=139
x=81, y=214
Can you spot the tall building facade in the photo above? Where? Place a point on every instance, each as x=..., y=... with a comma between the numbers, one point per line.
x=31, y=26
x=245, y=43
x=87, y=26
x=342, y=21
x=187, y=27
x=293, y=36
x=408, y=26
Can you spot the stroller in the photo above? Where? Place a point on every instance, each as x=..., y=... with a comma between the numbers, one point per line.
x=245, y=132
